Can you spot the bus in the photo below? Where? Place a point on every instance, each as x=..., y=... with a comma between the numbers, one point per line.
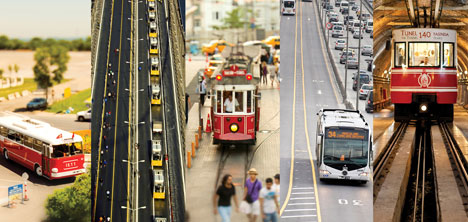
x=288, y=7
x=48, y=151
x=344, y=142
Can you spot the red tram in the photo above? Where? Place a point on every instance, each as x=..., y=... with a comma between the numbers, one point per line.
x=424, y=74
x=235, y=110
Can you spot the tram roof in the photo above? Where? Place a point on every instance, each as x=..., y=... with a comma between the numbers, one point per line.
x=37, y=129
x=343, y=118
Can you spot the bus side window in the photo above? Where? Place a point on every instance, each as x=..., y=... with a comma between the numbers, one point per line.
x=37, y=145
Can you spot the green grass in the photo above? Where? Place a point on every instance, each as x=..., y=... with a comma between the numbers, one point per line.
x=28, y=84
x=76, y=101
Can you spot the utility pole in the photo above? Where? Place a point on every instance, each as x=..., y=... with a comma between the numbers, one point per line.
x=358, y=76
x=346, y=58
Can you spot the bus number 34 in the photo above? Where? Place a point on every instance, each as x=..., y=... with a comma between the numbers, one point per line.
x=354, y=202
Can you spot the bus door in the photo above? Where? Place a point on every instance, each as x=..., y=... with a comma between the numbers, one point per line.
x=45, y=160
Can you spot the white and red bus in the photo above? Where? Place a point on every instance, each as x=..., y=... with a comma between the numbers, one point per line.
x=424, y=73
x=48, y=151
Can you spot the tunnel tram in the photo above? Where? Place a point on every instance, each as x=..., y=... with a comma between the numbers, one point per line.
x=423, y=75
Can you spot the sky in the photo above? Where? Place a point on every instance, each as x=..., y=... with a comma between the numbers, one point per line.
x=64, y=19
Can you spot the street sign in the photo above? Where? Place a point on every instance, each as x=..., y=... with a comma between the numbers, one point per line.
x=15, y=193
x=329, y=25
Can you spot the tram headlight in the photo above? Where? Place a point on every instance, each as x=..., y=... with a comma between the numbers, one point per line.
x=423, y=108
x=234, y=127
x=54, y=170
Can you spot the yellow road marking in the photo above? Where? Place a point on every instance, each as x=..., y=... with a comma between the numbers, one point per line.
x=102, y=115
x=307, y=129
x=291, y=173
x=116, y=113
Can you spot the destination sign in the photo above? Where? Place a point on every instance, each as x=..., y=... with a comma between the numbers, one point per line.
x=346, y=134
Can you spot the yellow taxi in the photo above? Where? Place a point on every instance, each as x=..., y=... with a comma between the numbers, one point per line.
x=273, y=41
x=210, y=48
x=212, y=66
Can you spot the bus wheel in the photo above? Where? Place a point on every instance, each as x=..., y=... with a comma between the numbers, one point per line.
x=5, y=154
x=38, y=170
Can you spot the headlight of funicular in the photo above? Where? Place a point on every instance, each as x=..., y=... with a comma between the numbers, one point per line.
x=234, y=127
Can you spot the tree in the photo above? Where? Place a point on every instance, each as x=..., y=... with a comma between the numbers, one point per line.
x=47, y=58
x=16, y=68
x=71, y=203
x=1, y=74
x=237, y=18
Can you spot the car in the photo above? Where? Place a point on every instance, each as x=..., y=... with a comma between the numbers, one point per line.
x=344, y=11
x=337, y=3
x=333, y=17
x=366, y=50
x=83, y=115
x=370, y=102
x=273, y=41
x=340, y=44
x=211, y=47
x=337, y=31
x=356, y=33
x=37, y=103
x=365, y=89
x=354, y=7
x=364, y=79
x=329, y=8
x=212, y=66
x=353, y=63
x=372, y=34
x=369, y=29
x=155, y=94
x=151, y=5
x=365, y=16
x=348, y=18
x=152, y=15
x=343, y=55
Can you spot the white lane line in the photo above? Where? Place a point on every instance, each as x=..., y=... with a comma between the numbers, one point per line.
x=301, y=204
x=300, y=210
x=303, y=193
x=302, y=188
x=302, y=198
x=299, y=216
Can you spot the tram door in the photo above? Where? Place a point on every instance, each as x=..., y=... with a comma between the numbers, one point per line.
x=257, y=111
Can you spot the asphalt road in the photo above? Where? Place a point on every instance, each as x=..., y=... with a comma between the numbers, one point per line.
x=308, y=85
x=115, y=146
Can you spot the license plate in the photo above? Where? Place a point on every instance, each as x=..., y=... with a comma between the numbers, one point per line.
x=345, y=177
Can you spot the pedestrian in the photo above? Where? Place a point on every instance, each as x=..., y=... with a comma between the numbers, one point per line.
x=278, y=78
x=250, y=204
x=201, y=89
x=268, y=202
x=276, y=186
x=222, y=199
x=264, y=72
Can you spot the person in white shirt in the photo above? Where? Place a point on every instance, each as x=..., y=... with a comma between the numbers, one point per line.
x=269, y=206
x=228, y=104
x=276, y=186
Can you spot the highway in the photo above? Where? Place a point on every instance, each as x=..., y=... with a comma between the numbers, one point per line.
x=309, y=85
x=110, y=133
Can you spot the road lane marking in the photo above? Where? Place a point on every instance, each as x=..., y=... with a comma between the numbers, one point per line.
x=294, y=210
x=303, y=188
x=305, y=123
x=301, y=204
x=302, y=198
x=298, y=216
x=129, y=116
x=116, y=114
x=303, y=193
x=104, y=105
x=319, y=92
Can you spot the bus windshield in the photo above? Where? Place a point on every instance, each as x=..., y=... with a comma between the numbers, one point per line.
x=67, y=149
x=289, y=4
x=346, y=147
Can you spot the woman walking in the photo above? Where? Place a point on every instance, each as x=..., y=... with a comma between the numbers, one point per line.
x=222, y=198
x=264, y=72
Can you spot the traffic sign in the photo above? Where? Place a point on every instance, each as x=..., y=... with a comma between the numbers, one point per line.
x=15, y=193
x=329, y=25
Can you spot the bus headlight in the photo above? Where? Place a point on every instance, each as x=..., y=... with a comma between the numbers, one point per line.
x=325, y=172
x=234, y=127
x=54, y=170
x=364, y=174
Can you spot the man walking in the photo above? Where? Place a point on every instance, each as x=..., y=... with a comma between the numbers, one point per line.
x=268, y=202
x=251, y=205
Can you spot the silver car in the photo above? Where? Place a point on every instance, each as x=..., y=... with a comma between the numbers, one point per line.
x=340, y=44
x=366, y=50
x=356, y=33
x=353, y=63
x=365, y=89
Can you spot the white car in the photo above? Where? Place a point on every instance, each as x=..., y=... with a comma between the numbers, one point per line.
x=84, y=115
x=152, y=15
x=340, y=44
x=337, y=31
x=365, y=88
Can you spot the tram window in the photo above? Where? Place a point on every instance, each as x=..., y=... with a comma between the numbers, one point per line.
x=424, y=54
x=448, y=55
x=249, y=102
x=239, y=99
x=400, y=54
x=230, y=102
x=218, y=101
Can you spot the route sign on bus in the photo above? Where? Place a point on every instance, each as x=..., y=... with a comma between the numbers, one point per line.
x=346, y=134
